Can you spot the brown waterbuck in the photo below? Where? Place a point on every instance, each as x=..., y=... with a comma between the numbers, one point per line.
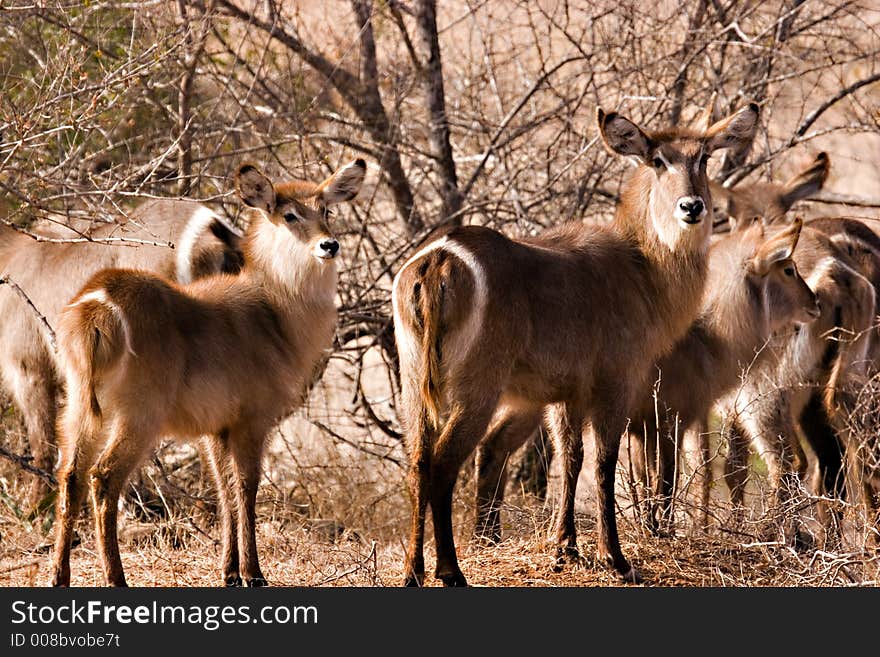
x=820, y=361
x=224, y=357
x=753, y=290
x=567, y=319
x=51, y=273
x=755, y=298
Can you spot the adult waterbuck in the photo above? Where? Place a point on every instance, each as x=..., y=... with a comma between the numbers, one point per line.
x=567, y=319
x=753, y=290
x=50, y=273
x=224, y=357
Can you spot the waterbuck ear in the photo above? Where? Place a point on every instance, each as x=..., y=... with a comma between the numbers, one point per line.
x=343, y=185
x=779, y=247
x=622, y=136
x=736, y=131
x=807, y=182
x=254, y=188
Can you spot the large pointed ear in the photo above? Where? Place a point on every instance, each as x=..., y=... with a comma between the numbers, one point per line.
x=736, y=131
x=343, y=185
x=706, y=118
x=779, y=247
x=254, y=188
x=622, y=136
x=807, y=182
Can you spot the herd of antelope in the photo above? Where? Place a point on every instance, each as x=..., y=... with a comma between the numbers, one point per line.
x=636, y=329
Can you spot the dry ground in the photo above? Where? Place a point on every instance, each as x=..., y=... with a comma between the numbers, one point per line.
x=294, y=552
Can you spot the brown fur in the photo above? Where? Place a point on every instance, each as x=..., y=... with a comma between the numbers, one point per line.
x=825, y=356
x=558, y=320
x=747, y=308
x=748, y=296
x=771, y=201
x=51, y=273
x=224, y=357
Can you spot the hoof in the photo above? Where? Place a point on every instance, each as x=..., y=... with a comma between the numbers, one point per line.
x=58, y=581
x=622, y=569
x=256, y=581
x=631, y=576
x=452, y=579
x=232, y=581
x=567, y=555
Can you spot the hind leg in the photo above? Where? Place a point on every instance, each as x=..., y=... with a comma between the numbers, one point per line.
x=35, y=392
x=507, y=434
x=79, y=448
x=129, y=443
x=565, y=422
x=221, y=465
x=461, y=434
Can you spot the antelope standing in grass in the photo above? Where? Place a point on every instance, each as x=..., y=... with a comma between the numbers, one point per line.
x=753, y=289
x=818, y=403
x=51, y=273
x=224, y=357
x=755, y=299
x=564, y=319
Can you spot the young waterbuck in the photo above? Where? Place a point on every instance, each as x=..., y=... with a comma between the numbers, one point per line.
x=224, y=357
x=51, y=273
x=754, y=297
x=567, y=319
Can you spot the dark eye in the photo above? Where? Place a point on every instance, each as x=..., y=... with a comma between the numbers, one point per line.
x=658, y=163
x=289, y=217
x=789, y=271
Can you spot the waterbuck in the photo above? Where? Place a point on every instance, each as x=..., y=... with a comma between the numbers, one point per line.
x=51, y=273
x=568, y=319
x=753, y=289
x=224, y=357
x=755, y=299
x=815, y=365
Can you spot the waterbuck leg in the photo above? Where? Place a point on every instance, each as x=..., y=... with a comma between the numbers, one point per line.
x=220, y=461
x=565, y=423
x=507, y=434
x=608, y=426
x=462, y=433
x=246, y=447
x=124, y=451
x=421, y=442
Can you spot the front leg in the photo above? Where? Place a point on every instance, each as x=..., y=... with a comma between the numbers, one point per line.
x=608, y=430
x=246, y=447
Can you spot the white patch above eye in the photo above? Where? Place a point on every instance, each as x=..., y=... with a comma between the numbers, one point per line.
x=666, y=162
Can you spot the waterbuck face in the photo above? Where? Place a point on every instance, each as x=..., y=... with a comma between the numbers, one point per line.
x=787, y=297
x=302, y=208
x=675, y=166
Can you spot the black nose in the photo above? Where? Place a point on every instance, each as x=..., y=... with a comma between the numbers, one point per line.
x=330, y=246
x=692, y=208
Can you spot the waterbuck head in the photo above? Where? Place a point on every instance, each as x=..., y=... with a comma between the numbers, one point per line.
x=300, y=208
x=672, y=167
x=770, y=200
x=786, y=296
